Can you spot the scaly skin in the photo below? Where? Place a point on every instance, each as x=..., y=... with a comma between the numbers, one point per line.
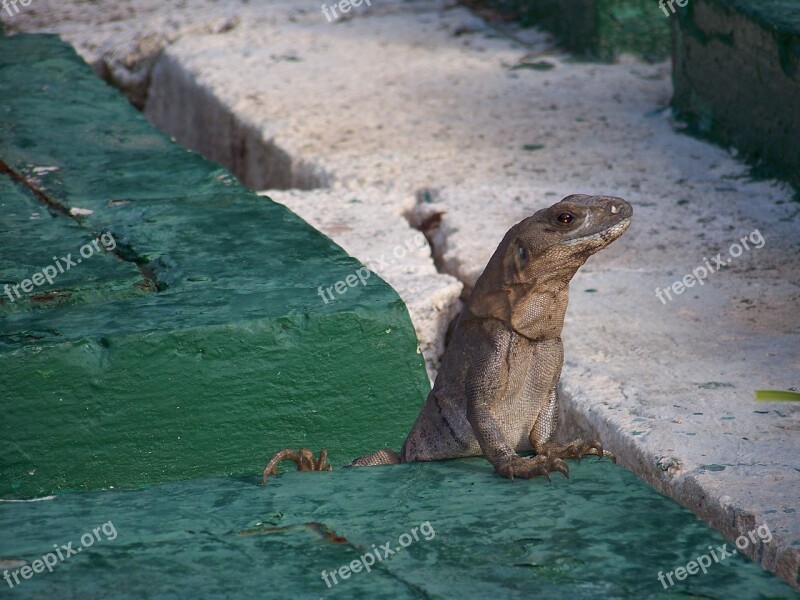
x=496, y=393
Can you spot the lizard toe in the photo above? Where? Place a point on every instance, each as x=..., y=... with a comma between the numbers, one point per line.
x=560, y=466
x=304, y=459
x=575, y=449
x=528, y=468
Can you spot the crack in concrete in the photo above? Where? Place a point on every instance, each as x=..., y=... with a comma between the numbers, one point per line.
x=150, y=282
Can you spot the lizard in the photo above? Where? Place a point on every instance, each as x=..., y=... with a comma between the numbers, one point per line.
x=496, y=393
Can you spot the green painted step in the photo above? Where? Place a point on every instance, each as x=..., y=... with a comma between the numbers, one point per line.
x=603, y=534
x=737, y=78
x=196, y=347
x=598, y=29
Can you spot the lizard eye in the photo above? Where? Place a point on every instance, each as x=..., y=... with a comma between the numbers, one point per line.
x=565, y=218
x=523, y=254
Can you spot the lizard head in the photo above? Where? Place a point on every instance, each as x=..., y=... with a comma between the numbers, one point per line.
x=528, y=276
x=574, y=228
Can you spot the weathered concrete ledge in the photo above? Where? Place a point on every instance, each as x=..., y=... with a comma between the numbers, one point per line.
x=737, y=76
x=191, y=112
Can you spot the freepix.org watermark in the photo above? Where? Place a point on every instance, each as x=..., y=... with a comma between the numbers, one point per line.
x=702, y=562
x=699, y=274
x=362, y=274
x=61, y=553
x=344, y=7
x=377, y=554
x=60, y=265
x=10, y=6
x=662, y=4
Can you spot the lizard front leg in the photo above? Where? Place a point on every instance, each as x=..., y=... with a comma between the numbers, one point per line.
x=485, y=384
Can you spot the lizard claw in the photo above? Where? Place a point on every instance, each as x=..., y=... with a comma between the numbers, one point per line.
x=560, y=466
x=304, y=459
x=594, y=448
x=575, y=449
x=526, y=468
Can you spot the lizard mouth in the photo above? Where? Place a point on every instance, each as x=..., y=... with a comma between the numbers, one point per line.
x=611, y=221
x=605, y=236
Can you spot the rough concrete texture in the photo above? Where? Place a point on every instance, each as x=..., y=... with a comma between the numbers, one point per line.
x=737, y=78
x=471, y=131
x=120, y=41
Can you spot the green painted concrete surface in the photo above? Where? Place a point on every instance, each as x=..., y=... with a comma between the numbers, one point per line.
x=737, y=78
x=601, y=535
x=600, y=29
x=781, y=16
x=199, y=345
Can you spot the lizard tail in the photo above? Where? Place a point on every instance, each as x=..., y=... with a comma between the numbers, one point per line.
x=384, y=456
